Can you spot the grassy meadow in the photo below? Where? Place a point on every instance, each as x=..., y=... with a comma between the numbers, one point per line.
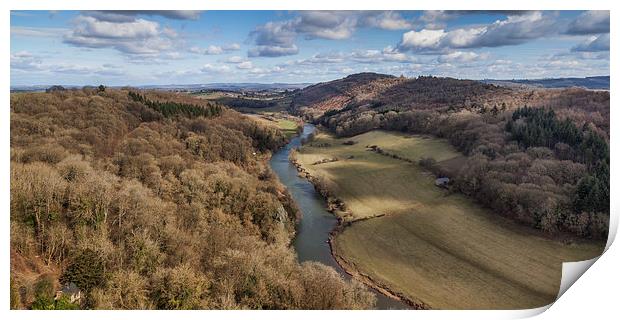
x=287, y=124
x=431, y=246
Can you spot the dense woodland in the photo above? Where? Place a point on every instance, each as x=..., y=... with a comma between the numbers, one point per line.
x=546, y=165
x=245, y=103
x=154, y=200
x=315, y=94
x=173, y=108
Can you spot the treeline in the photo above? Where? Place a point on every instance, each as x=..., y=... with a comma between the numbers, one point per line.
x=538, y=127
x=428, y=92
x=548, y=173
x=541, y=127
x=172, y=108
x=241, y=103
x=142, y=212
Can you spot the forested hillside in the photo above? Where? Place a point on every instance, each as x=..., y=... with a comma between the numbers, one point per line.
x=546, y=165
x=321, y=97
x=154, y=200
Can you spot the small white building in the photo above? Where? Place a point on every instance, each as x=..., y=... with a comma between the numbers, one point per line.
x=70, y=291
x=442, y=182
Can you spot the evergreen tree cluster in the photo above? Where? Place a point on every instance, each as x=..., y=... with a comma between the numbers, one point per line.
x=86, y=271
x=542, y=128
x=240, y=103
x=171, y=108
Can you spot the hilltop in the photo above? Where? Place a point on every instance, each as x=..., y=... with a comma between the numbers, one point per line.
x=382, y=92
x=371, y=93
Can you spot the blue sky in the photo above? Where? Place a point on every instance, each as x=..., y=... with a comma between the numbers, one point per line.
x=185, y=47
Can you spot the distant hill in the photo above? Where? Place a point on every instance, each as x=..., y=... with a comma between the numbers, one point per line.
x=379, y=91
x=369, y=97
x=431, y=92
x=341, y=89
x=594, y=83
x=249, y=86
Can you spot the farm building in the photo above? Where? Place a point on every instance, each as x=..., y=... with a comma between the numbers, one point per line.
x=71, y=291
x=442, y=182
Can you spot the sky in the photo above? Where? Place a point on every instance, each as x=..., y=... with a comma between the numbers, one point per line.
x=191, y=47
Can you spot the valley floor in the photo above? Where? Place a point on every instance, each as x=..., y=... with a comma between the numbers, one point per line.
x=432, y=247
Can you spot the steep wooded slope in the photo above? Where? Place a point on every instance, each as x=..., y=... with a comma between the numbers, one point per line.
x=154, y=200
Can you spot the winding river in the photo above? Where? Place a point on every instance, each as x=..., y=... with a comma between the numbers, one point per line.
x=316, y=222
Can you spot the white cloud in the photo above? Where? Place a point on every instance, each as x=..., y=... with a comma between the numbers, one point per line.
x=231, y=47
x=239, y=62
x=245, y=65
x=21, y=54
x=130, y=15
x=169, y=32
x=275, y=39
x=172, y=55
x=321, y=58
x=423, y=39
x=24, y=61
x=215, y=50
x=565, y=64
x=462, y=57
x=590, y=22
x=586, y=55
x=139, y=28
x=235, y=59
x=332, y=25
x=546, y=67
x=273, y=51
x=377, y=56
x=436, y=19
x=261, y=72
x=388, y=20
x=212, y=50
x=515, y=29
x=173, y=14
x=209, y=68
x=86, y=70
x=593, y=44
x=369, y=56
x=37, y=31
x=142, y=37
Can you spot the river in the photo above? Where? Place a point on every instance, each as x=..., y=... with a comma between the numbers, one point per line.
x=316, y=222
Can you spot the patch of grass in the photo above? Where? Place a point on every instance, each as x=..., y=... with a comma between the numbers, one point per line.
x=408, y=146
x=438, y=248
x=287, y=124
x=214, y=95
x=289, y=127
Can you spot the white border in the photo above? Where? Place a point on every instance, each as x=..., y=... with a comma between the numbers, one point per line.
x=591, y=297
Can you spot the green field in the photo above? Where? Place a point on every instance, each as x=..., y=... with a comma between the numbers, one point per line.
x=287, y=124
x=431, y=246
